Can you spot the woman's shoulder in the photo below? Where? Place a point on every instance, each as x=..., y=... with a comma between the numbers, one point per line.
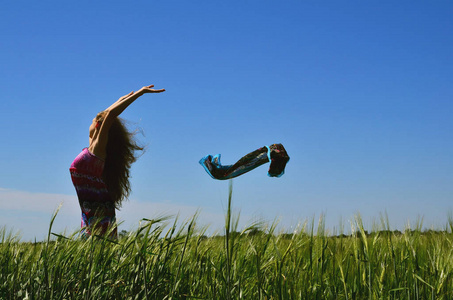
x=95, y=150
x=91, y=153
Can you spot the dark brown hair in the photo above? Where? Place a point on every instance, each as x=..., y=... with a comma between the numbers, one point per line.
x=120, y=154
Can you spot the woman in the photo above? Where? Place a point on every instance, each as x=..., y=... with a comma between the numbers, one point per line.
x=100, y=173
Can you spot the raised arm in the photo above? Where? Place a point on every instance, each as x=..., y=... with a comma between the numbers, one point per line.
x=99, y=140
x=122, y=103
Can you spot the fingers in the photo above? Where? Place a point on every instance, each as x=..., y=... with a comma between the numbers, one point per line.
x=149, y=89
x=155, y=91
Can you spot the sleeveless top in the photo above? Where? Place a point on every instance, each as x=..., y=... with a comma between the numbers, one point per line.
x=97, y=205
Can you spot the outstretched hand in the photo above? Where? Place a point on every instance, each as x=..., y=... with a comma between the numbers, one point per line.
x=149, y=89
x=144, y=90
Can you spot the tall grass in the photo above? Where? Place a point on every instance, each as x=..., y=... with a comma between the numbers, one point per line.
x=175, y=260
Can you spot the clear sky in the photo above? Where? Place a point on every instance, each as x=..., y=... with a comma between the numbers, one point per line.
x=359, y=92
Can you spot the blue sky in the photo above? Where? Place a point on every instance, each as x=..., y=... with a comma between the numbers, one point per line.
x=359, y=93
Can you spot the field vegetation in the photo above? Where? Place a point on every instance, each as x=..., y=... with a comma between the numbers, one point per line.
x=166, y=259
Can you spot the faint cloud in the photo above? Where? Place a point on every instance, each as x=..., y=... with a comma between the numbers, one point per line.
x=30, y=213
x=37, y=202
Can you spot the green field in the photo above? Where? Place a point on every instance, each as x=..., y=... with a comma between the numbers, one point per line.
x=175, y=260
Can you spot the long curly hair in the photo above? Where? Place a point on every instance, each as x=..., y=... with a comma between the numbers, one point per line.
x=120, y=154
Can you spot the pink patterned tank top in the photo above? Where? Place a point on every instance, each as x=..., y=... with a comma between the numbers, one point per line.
x=97, y=205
